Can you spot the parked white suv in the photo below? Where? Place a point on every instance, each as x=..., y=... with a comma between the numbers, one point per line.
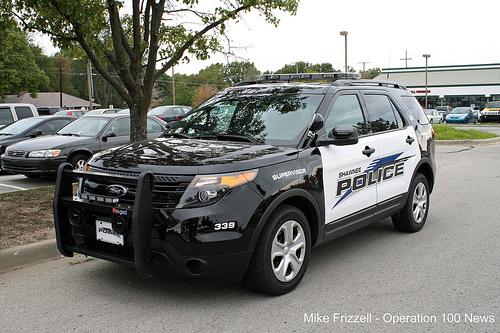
x=12, y=112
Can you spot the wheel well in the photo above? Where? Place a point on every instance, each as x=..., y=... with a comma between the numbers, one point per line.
x=79, y=152
x=426, y=170
x=309, y=211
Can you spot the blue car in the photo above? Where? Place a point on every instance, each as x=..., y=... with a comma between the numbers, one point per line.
x=462, y=115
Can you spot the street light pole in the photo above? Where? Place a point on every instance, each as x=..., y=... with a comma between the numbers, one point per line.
x=345, y=33
x=426, y=56
x=60, y=85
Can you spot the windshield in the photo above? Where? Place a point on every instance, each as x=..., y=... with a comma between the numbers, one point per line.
x=160, y=110
x=460, y=111
x=442, y=108
x=495, y=105
x=20, y=126
x=85, y=126
x=275, y=119
x=429, y=112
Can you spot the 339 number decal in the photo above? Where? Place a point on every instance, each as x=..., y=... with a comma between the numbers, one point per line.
x=224, y=226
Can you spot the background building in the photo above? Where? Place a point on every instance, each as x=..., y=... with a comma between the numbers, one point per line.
x=457, y=85
x=48, y=99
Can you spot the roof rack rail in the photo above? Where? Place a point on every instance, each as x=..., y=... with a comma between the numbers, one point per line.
x=377, y=83
x=331, y=77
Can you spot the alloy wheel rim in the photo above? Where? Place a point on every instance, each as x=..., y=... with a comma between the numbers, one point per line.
x=419, y=203
x=80, y=165
x=288, y=251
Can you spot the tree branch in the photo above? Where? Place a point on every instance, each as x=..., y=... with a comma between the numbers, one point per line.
x=180, y=52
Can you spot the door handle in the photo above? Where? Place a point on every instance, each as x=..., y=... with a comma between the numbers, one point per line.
x=368, y=151
x=409, y=140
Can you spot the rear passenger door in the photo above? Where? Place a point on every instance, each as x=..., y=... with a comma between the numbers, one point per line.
x=23, y=112
x=398, y=150
x=344, y=167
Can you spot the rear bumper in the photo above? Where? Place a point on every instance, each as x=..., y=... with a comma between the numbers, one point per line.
x=31, y=165
x=182, y=244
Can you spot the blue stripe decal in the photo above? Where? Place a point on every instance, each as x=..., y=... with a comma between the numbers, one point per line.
x=373, y=166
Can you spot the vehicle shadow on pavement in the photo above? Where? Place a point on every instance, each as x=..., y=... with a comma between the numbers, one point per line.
x=128, y=285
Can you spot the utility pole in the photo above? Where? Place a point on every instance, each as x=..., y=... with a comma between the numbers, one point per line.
x=60, y=84
x=426, y=56
x=406, y=59
x=364, y=64
x=345, y=33
x=173, y=86
x=89, y=84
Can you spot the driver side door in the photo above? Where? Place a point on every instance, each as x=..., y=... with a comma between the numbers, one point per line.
x=121, y=129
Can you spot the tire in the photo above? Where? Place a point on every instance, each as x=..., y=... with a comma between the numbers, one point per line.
x=260, y=275
x=406, y=220
x=78, y=160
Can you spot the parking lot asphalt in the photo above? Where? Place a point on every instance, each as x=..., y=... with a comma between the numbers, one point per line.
x=451, y=266
x=12, y=183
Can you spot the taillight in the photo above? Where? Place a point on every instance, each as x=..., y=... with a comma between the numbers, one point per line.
x=178, y=117
x=68, y=113
x=433, y=133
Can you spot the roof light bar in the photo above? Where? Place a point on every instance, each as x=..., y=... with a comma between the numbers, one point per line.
x=309, y=77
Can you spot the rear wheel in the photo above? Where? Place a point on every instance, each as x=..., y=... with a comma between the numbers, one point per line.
x=414, y=214
x=282, y=253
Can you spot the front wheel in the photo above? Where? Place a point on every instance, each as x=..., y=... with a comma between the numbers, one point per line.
x=282, y=253
x=78, y=161
x=414, y=214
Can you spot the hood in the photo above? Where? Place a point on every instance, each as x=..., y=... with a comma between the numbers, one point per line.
x=456, y=116
x=189, y=156
x=52, y=142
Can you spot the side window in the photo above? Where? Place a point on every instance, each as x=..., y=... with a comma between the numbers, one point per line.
x=5, y=116
x=23, y=112
x=52, y=126
x=381, y=113
x=416, y=110
x=346, y=111
x=154, y=127
x=120, y=127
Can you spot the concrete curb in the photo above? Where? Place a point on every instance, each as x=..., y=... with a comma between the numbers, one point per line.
x=469, y=142
x=23, y=255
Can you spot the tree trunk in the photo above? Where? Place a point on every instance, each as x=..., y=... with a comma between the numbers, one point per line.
x=138, y=122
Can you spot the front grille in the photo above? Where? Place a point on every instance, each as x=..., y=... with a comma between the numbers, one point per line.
x=167, y=190
x=16, y=167
x=16, y=153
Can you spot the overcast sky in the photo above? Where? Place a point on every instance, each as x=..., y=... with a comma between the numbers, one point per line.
x=453, y=32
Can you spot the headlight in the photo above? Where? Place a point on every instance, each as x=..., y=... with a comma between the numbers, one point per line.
x=206, y=190
x=45, y=153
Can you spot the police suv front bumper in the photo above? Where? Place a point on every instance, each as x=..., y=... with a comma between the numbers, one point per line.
x=184, y=242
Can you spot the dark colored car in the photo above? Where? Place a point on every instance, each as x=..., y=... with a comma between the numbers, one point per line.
x=30, y=128
x=47, y=111
x=74, y=143
x=251, y=180
x=170, y=113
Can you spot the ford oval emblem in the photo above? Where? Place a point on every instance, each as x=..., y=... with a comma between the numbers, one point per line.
x=116, y=190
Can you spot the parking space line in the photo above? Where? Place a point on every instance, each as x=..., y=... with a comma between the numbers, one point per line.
x=14, y=187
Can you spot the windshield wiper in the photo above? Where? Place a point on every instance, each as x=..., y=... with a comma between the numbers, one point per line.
x=69, y=134
x=6, y=134
x=176, y=135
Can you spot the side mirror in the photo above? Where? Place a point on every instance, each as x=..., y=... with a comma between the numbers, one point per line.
x=107, y=136
x=35, y=133
x=340, y=136
x=317, y=123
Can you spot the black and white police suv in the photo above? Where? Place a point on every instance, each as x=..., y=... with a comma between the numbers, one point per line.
x=250, y=181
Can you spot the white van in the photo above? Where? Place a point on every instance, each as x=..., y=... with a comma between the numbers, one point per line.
x=12, y=112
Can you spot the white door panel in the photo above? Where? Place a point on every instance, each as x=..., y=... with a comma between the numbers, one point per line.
x=401, y=159
x=343, y=166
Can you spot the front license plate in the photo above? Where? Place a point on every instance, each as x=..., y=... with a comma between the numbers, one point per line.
x=105, y=233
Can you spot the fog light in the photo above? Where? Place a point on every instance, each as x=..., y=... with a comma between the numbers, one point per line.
x=119, y=224
x=75, y=216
